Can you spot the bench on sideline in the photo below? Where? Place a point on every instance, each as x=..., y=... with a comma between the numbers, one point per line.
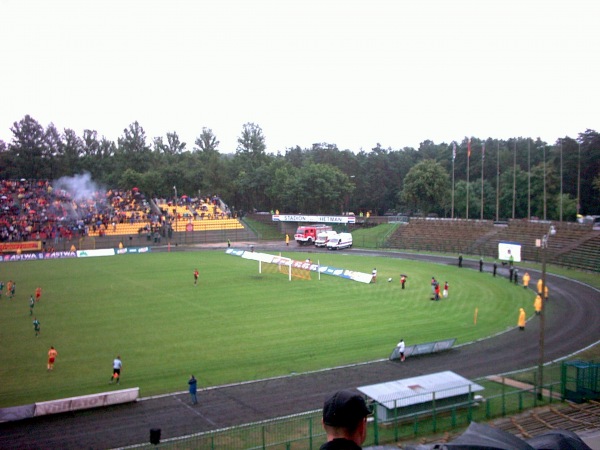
x=424, y=349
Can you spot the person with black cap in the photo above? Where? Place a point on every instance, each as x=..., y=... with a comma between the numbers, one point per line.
x=345, y=421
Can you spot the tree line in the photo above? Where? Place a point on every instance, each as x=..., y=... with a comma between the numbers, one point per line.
x=489, y=178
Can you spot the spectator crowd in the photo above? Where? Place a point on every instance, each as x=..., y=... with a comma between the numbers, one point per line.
x=37, y=210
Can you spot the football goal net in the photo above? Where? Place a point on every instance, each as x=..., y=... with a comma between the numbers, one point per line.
x=284, y=266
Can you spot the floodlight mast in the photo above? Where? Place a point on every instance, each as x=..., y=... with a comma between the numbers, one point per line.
x=544, y=246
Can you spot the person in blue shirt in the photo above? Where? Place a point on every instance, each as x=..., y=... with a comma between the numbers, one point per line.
x=193, y=383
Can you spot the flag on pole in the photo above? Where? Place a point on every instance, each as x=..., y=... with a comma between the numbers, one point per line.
x=453, y=151
x=469, y=148
x=483, y=151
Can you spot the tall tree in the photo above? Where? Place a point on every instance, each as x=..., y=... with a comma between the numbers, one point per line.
x=251, y=163
x=53, y=147
x=91, y=157
x=173, y=146
x=7, y=167
x=71, y=150
x=159, y=145
x=133, y=149
x=251, y=146
x=426, y=187
x=596, y=185
x=281, y=191
x=321, y=189
x=28, y=148
x=295, y=156
x=207, y=141
x=312, y=188
x=211, y=164
x=590, y=168
x=90, y=144
x=107, y=164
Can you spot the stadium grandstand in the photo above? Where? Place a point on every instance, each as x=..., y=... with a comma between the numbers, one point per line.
x=201, y=213
x=59, y=217
x=574, y=245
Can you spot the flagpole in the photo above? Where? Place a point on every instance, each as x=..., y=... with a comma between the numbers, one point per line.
x=497, y=180
x=453, y=158
x=528, y=179
x=482, y=158
x=468, y=160
x=544, y=149
x=561, y=181
x=514, y=178
x=578, y=176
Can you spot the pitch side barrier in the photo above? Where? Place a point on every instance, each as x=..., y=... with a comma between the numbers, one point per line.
x=424, y=349
x=327, y=270
x=69, y=404
x=37, y=256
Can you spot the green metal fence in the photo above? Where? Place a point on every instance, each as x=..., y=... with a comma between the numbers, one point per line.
x=304, y=431
x=301, y=431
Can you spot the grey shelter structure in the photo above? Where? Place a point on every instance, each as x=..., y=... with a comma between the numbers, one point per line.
x=395, y=399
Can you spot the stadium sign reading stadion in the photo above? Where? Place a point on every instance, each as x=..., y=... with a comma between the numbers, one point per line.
x=319, y=219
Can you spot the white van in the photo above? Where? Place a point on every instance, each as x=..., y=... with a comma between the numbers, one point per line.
x=339, y=241
x=323, y=237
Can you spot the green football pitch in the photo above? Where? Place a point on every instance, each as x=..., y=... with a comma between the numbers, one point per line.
x=235, y=325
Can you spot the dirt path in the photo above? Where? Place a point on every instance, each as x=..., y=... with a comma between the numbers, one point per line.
x=571, y=324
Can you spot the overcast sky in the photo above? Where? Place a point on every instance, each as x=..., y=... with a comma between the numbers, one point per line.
x=351, y=73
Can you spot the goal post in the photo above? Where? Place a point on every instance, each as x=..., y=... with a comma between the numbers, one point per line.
x=284, y=266
x=279, y=264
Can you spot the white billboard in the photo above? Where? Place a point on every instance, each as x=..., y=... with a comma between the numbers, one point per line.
x=508, y=249
x=314, y=219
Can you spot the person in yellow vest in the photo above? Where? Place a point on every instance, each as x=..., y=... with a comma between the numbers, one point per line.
x=539, y=286
x=73, y=249
x=287, y=240
x=537, y=304
x=546, y=292
x=526, y=279
x=521, y=321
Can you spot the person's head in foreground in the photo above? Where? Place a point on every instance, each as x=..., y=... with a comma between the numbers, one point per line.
x=345, y=419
